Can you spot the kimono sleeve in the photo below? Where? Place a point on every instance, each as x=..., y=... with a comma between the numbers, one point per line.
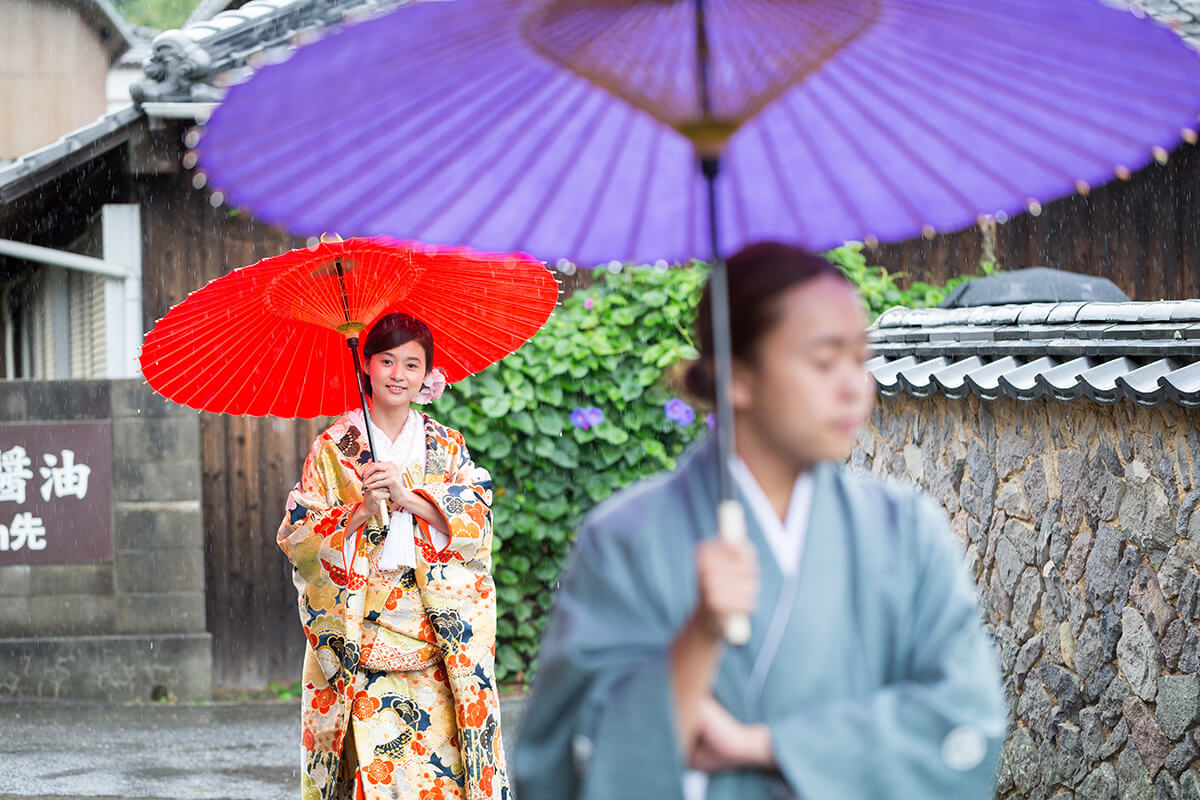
x=317, y=512
x=937, y=730
x=465, y=501
x=602, y=708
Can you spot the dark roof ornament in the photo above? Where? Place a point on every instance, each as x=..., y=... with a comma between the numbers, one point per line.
x=195, y=63
x=1034, y=285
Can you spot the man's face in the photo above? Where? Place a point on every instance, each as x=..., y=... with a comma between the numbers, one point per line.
x=809, y=390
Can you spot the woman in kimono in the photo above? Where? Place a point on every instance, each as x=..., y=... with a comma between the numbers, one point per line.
x=392, y=554
x=867, y=674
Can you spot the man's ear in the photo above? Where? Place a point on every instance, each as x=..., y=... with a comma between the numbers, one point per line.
x=743, y=386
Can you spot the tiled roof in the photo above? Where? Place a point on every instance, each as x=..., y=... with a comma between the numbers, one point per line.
x=1181, y=15
x=196, y=62
x=1148, y=353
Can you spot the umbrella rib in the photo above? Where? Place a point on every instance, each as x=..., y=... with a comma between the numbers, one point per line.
x=849, y=206
x=911, y=154
x=647, y=178
x=447, y=153
x=1020, y=121
x=1018, y=90
x=379, y=123
x=588, y=219
x=882, y=66
x=986, y=22
x=538, y=151
x=770, y=151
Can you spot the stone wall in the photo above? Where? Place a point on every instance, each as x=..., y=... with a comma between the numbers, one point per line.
x=1078, y=527
x=133, y=627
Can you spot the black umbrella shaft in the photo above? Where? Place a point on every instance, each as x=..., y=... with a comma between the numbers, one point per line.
x=352, y=343
x=722, y=343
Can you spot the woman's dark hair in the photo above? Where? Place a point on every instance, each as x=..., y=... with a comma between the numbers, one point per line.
x=394, y=330
x=759, y=275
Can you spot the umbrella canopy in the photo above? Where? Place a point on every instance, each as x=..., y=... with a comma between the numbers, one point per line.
x=1033, y=285
x=570, y=128
x=271, y=338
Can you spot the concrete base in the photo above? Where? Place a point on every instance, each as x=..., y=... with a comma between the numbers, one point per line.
x=109, y=668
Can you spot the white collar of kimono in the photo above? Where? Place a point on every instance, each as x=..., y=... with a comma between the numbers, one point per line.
x=786, y=537
x=406, y=451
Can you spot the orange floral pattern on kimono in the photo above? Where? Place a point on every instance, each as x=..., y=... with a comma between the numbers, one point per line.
x=438, y=621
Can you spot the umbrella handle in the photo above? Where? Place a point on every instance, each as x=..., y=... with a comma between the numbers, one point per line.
x=731, y=526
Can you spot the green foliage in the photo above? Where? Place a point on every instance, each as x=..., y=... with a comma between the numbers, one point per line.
x=547, y=472
x=607, y=346
x=882, y=289
x=159, y=14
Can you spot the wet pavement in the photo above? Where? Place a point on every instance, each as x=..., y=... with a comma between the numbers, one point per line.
x=219, y=751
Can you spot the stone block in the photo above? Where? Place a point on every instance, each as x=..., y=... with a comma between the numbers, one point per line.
x=1138, y=655
x=1152, y=744
x=71, y=614
x=15, y=619
x=160, y=571
x=1065, y=687
x=155, y=439
x=108, y=668
x=135, y=398
x=1036, y=493
x=14, y=580
x=1178, y=703
x=1011, y=500
x=1100, y=572
x=48, y=579
x=60, y=401
x=1176, y=568
x=1131, y=559
x=1024, y=538
x=1100, y=784
x=1113, y=700
x=1133, y=781
x=1166, y=787
x=13, y=407
x=1022, y=760
x=158, y=481
x=1098, y=682
x=1184, y=753
x=1147, y=595
x=1025, y=603
x=1189, y=785
x=175, y=612
x=1171, y=644
x=1009, y=564
x=156, y=525
x=1144, y=513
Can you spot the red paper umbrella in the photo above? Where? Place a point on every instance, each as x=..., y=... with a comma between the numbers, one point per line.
x=271, y=338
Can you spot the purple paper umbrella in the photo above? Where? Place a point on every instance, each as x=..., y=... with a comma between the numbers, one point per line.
x=573, y=128
x=562, y=128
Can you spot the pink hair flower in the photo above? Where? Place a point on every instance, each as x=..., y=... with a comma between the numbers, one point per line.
x=432, y=387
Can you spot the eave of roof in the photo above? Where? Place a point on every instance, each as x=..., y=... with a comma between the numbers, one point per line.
x=46, y=163
x=1148, y=353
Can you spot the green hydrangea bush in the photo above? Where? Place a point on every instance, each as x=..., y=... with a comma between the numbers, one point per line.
x=584, y=409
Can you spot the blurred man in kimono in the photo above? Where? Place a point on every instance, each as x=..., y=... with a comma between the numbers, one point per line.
x=867, y=674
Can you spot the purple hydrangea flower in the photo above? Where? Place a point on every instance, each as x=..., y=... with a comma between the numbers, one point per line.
x=589, y=304
x=711, y=421
x=679, y=411
x=586, y=417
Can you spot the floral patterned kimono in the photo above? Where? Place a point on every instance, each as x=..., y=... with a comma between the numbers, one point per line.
x=400, y=695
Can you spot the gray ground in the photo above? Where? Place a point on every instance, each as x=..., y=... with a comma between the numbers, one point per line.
x=236, y=751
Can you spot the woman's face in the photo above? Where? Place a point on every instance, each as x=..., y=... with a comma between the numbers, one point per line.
x=396, y=375
x=810, y=390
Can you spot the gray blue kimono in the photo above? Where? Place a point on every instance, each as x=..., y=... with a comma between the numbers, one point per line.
x=882, y=684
